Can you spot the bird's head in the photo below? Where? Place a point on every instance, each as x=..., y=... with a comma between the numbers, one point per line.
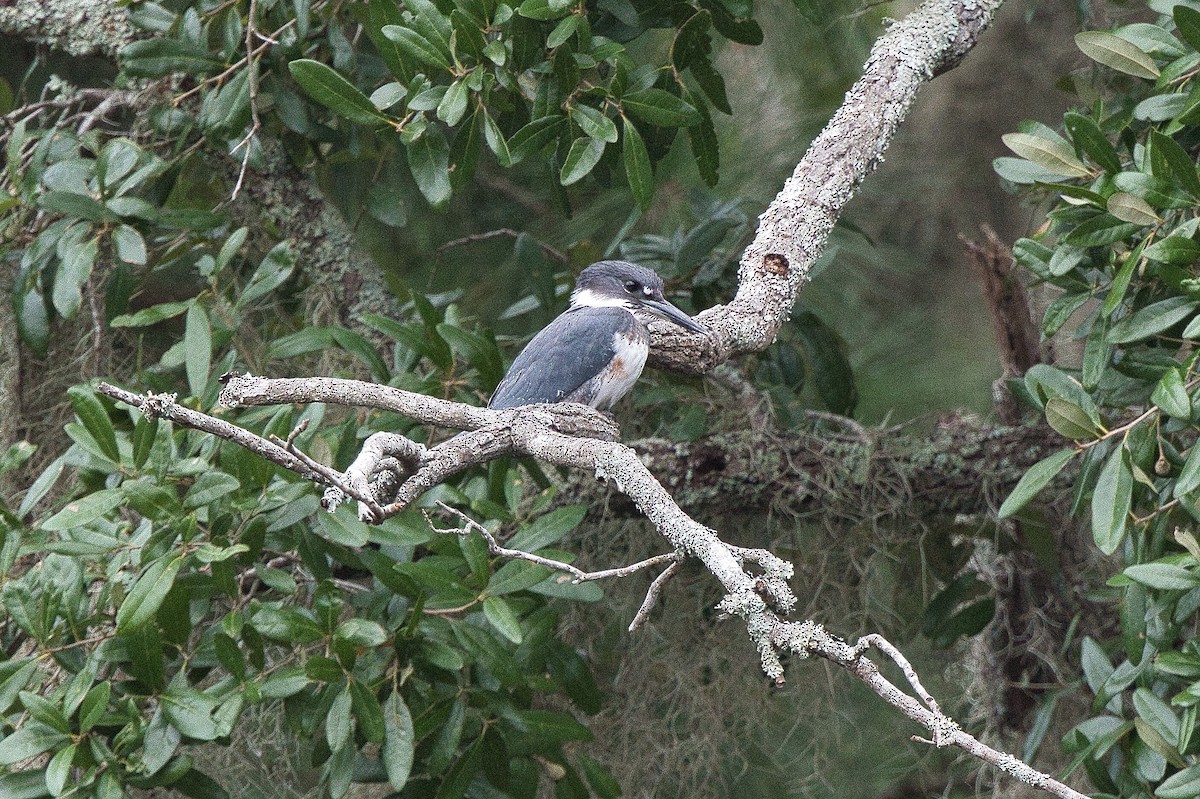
x=622, y=284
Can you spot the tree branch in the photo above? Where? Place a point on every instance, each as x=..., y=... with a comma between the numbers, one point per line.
x=761, y=599
x=793, y=230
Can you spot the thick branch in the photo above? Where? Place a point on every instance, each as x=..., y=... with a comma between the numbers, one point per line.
x=570, y=418
x=793, y=230
x=80, y=27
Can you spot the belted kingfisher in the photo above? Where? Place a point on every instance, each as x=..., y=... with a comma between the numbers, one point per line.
x=594, y=351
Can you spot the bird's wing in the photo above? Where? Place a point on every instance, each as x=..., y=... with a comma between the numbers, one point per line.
x=568, y=352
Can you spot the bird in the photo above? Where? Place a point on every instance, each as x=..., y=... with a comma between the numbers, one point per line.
x=594, y=351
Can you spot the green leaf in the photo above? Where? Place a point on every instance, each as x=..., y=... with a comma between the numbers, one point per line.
x=1187, y=22
x=154, y=58
x=691, y=41
x=337, y=722
x=144, y=433
x=152, y=315
x=548, y=528
x=702, y=139
x=95, y=419
x=464, y=153
x=495, y=140
x=594, y=123
x=637, y=166
x=195, y=784
x=343, y=528
x=429, y=161
x=562, y=31
x=45, y=481
x=327, y=87
x=1163, y=576
x=129, y=245
x=33, y=319
x=1100, y=231
x=275, y=268
x=388, y=95
x=1051, y=155
x=197, y=349
x=501, y=616
x=367, y=712
x=94, y=705
x=73, y=273
x=287, y=624
x=549, y=726
x=361, y=632
x=1069, y=420
x=1120, y=284
x=1113, y=51
x=1174, y=250
x=83, y=510
x=1161, y=107
x=1033, y=481
x=1183, y=784
x=1127, y=207
x=1189, y=476
x=1111, y=500
x=534, y=136
x=583, y=156
x=1159, y=192
x=147, y=594
x=660, y=108
x=398, y=741
x=59, y=769
x=1168, y=160
x=1152, y=319
x=542, y=9
x=1171, y=396
x=227, y=110
x=1091, y=140
x=1022, y=171
x=29, y=740
x=210, y=486
x=416, y=46
x=516, y=575
x=454, y=103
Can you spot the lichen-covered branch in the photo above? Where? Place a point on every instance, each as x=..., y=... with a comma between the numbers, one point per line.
x=79, y=27
x=793, y=230
x=808, y=638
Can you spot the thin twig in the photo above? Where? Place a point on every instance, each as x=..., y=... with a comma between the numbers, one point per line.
x=652, y=593
x=330, y=477
x=579, y=575
x=910, y=674
x=164, y=406
x=558, y=255
x=252, y=77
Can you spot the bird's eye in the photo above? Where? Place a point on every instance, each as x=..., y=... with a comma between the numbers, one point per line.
x=632, y=286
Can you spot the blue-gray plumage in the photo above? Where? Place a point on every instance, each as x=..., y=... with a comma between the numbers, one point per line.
x=594, y=352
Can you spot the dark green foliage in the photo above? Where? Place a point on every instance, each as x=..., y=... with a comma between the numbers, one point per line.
x=435, y=658
x=1120, y=244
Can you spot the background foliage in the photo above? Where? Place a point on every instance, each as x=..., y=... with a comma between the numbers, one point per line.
x=1121, y=176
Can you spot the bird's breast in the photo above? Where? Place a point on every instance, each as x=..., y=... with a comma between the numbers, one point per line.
x=629, y=358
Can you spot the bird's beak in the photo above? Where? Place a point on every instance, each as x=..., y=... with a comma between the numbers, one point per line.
x=672, y=314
